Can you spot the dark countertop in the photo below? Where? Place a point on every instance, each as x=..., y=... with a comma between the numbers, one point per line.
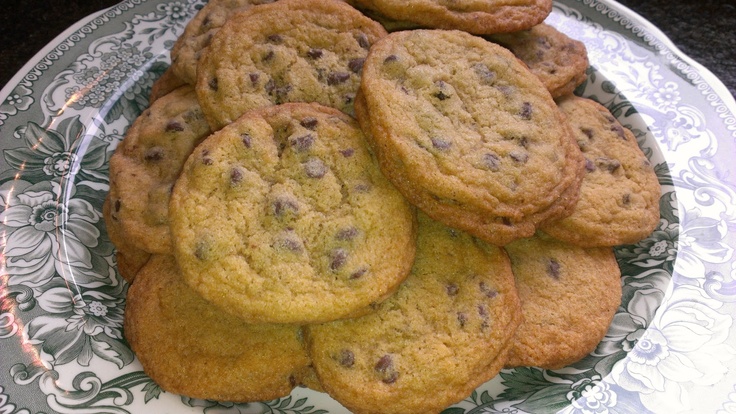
x=704, y=30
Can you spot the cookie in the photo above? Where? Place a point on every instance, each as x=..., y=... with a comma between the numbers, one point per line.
x=619, y=201
x=284, y=216
x=468, y=134
x=568, y=294
x=164, y=85
x=559, y=61
x=146, y=164
x=198, y=33
x=477, y=17
x=191, y=348
x=129, y=259
x=446, y=330
x=288, y=51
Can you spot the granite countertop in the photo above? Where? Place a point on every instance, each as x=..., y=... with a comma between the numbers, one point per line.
x=704, y=30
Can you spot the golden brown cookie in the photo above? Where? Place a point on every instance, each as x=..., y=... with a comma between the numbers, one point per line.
x=284, y=216
x=559, y=61
x=167, y=83
x=446, y=330
x=477, y=17
x=129, y=259
x=619, y=201
x=189, y=347
x=288, y=51
x=468, y=134
x=146, y=164
x=568, y=297
x=198, y=34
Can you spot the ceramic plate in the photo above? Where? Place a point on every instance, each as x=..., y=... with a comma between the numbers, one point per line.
x=670, y=347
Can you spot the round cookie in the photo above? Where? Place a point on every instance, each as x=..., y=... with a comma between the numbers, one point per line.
x=559, y=61
x=288, y=51
x=191, y=348
x=477, y=17
x=619, y=196
x=568, y=297
x=468, y=134
x=284, y=216
x=129, y=259
x=199, y=31
x=445, y=331
x=146, y=164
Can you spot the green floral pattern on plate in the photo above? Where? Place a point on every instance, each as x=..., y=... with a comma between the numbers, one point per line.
x=62, y=300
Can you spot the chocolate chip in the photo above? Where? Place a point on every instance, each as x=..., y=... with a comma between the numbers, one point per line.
x=309, y=123
x=483, y=313
x=356, y=65
x=275, y=38
x=523, y=142
x=174, y=126
x=452, y=289
x=338, y=258
x=553, y=268
x=213, y=84
x=363, y=188
x=283, y=205
x=441, y=94
x=336, y=78
x=626, y=199
x=608, y=164
x=346, y=358
x=236, y=176
x=254, y=78
x=619, y=130
x=487, y=76
x=358, y=273
x=487, y=290
x=315, y=168
x=526, y=111
x=588, y=132
x=206, y=160
x=348, y=152
x=506, y=221
x=363, y=41
x=302, y=143
x=154, y=154
x=201, y=250
x=462, y=318
x=268, y=56
x=491, y=161
x=441, y=144
x=589, y=165
x=518, y=156
x=314, y=53
x=347, y=234
x=385, y=367
x=390, y=58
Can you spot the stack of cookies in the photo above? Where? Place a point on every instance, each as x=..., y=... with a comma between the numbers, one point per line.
x=385, y=201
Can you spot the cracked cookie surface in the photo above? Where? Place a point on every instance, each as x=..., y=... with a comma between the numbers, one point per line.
x=284, y=216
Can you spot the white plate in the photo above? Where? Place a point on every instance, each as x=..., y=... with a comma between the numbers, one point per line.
x=670, y=347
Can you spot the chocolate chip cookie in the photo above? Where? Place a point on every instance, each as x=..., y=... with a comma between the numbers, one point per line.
x=619, y=196
x=477, y=17
x=190, y=347
x=288, y=51
x=284, y=216
x=569, y=295
x=468, y=134
x=146, y=164
x=446, y=330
